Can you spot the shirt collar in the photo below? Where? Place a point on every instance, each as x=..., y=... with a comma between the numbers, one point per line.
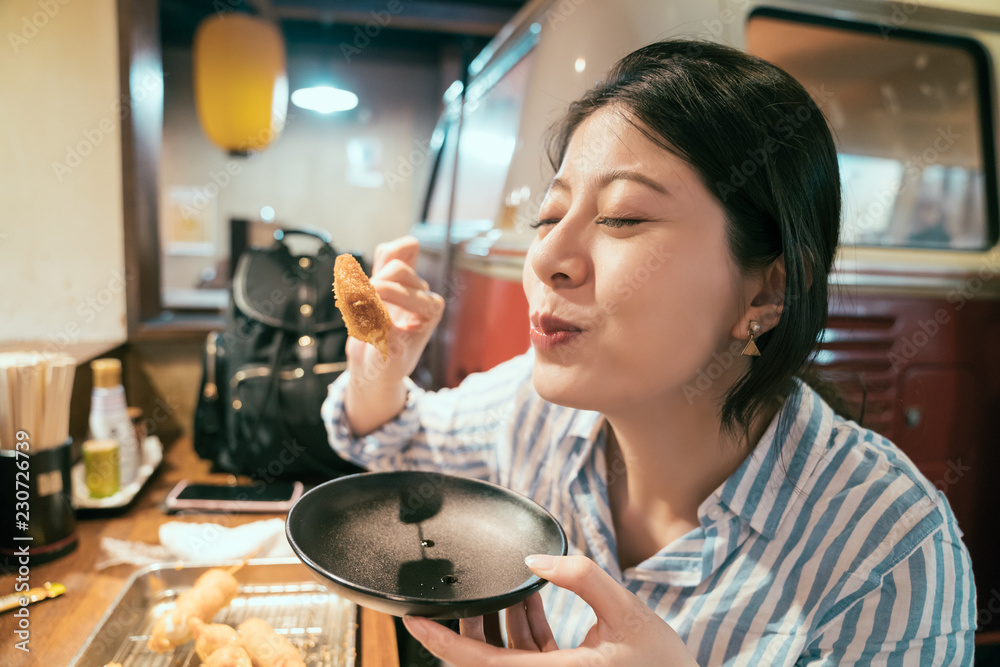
x=769, y=483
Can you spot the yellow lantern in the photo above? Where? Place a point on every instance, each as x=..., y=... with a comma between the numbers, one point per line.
x=240, y=82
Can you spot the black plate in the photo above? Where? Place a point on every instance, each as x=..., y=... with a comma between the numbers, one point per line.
x=421, y=543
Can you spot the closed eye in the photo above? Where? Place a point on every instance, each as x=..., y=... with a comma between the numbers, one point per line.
x=544, y=221
x=618, y=222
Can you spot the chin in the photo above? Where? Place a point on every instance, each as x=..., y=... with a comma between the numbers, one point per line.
x=562, y=386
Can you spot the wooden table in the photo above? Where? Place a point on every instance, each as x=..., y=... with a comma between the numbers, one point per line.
x=60, y=626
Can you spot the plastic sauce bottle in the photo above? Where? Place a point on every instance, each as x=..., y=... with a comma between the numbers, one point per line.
x=109, y=418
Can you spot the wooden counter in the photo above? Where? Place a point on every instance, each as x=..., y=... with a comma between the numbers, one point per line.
x=60, y=626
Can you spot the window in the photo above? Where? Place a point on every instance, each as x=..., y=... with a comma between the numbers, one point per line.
x=492, y=114
x=909, y=112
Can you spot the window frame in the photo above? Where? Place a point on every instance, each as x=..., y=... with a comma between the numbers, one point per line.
x=982, y=62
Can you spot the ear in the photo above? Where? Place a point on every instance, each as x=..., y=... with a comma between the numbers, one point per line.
x=765, y=293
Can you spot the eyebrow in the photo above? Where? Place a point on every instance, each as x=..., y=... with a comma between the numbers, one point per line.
x=610, y=177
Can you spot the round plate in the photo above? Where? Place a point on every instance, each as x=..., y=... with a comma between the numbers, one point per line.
x=423, y=544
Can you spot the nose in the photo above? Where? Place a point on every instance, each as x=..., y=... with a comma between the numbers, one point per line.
x=559, y=258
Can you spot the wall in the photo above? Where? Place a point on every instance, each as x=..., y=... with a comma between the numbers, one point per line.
x=61, y=249
x=303, y=176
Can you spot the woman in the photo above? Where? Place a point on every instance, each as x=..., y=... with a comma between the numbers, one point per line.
x=718, y=510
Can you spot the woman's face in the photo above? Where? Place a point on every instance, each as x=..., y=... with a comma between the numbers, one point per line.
x=630, y=283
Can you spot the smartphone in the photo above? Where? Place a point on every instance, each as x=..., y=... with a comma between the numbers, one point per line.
x=241, y=498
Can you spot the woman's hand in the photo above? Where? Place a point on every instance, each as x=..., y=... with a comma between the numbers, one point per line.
x=376, y=392
x=627, y=632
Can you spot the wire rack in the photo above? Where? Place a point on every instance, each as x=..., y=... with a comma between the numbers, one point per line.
x=319, y=623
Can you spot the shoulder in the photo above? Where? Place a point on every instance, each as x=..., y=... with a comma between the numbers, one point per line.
x=872, y=496
x=882, y=536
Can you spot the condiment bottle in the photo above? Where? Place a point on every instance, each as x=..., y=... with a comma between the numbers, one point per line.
x=100, y=459
x=109, y=418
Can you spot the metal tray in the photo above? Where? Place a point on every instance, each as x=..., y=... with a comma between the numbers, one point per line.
x=282, y=591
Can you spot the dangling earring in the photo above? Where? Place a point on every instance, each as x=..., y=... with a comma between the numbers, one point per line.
x=751, y=347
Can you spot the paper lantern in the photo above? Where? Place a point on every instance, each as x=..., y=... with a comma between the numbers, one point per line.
x=240, y=82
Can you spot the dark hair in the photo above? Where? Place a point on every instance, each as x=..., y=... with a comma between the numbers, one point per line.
x=763, y=149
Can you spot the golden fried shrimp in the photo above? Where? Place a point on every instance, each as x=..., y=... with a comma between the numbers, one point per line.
x=209, y=637
x=211, y=592
x=230, y=655
x=266, y=647
x=364, y=313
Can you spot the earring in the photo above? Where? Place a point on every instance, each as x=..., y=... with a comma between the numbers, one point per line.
x=750, y=350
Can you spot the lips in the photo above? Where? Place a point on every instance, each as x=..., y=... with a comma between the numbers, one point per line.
x=550, y=324
x=549, y=332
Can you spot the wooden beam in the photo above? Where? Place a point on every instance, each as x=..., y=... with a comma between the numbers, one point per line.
x=141, y=98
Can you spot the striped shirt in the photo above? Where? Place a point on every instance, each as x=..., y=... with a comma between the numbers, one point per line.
x=825, y=547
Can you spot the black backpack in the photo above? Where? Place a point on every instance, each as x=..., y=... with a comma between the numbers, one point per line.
x=265, y=377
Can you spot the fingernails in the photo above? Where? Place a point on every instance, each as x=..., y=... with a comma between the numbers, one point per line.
x=540, y=563
x=416, y=627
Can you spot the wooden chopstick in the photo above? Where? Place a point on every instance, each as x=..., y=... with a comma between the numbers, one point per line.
x=67, y=372
x=28, y=398
x=35, y=394
x=58, y=389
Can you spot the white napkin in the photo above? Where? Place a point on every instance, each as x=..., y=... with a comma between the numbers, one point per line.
x=201, y=542
x=212, y=542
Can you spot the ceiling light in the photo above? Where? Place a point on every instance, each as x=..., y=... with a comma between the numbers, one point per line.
x=324, y=99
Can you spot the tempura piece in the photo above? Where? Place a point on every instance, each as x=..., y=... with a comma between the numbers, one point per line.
x=210, y=637
x=230, y=655
x=364, y=313
x=212, y=591
x=266, y=647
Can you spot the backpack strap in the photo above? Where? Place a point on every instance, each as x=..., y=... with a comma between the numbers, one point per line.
x=272, y=383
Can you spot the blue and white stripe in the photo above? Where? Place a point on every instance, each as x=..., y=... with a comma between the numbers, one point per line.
x=825, y=547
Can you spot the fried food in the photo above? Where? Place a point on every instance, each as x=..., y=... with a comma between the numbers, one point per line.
x=364, y=313
x=212, y=591
x=266, y=647
x=210, y=637
x=230, y=655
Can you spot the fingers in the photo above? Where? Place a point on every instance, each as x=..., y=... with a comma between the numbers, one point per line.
x=398, y=283
x=527, y=627
x=609, y=600
x=518, y=628
x=471, y=628
x=405, y=248
x=541, y=632
x=397, y=270
x=422, y=306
